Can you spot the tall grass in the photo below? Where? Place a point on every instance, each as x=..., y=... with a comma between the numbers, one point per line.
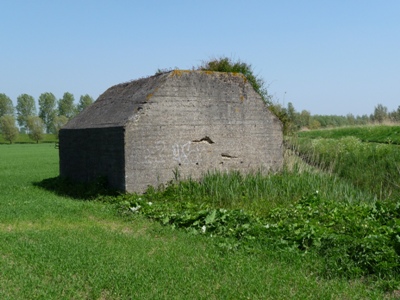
x=368, y=166
x=258, y=193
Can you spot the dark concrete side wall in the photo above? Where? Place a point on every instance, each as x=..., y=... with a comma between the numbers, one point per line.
x=87, y=154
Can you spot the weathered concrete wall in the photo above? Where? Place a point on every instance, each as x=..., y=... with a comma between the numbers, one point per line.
x=87, y=154
x=139, y=133
x=199, y=121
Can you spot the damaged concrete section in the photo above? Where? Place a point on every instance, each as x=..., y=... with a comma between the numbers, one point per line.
x=137, y=134
x=227, y=156
x=205, y=139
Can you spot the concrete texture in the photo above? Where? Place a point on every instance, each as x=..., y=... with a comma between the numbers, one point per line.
x=142, y=132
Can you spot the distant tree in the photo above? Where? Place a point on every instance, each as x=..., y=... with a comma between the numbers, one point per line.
x=314, y=124
x=25, y=107
x=292, y=118
x=84, y=102
x=59, y=121
x=380, y=113
x=304, y=118
x=6, y=106
x=341, y=120
x=47, y=110
x=8, y=128
x=395, y=115
x=363, y=120
x=291, y=111
x=371, y=118
x=36, y=128
x=351, y=119
x=66, y=106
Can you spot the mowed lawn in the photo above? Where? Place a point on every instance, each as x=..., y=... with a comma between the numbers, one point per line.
x=53, y=247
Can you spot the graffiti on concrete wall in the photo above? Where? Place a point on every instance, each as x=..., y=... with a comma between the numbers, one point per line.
x=156, y=153
x=187, y=153
x=183, y=153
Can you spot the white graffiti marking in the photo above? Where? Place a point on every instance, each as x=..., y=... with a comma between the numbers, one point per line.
x=187, y=153
x=155, y=154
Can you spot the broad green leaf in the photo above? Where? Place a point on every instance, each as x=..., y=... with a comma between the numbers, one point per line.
x=211, y=217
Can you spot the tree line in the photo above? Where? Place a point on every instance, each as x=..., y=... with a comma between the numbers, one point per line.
x=49, y=118
x=294, y=121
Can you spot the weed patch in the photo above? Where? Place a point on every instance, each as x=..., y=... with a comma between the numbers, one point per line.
x=354, y=239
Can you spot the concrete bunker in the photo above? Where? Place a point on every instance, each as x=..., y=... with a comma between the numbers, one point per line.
x=138, y=133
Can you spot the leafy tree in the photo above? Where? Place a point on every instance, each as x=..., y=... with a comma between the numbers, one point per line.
x=6, y=106
x=47, y=110
x=363, y=120
x=292, y=118
x=314, y=124
x=395, y=115
x=25, y=107
x=380, y=113
x=84, y=102
x=291, y=111
x=323, y=120
x=351, y=119
x=59, y=121
x=66, y=106
x=36, y=128
x=304, y=118
x=8, y=128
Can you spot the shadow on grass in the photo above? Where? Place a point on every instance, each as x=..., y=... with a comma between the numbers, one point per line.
x=80, y=191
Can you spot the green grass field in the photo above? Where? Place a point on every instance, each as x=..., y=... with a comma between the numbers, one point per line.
x=61, y=247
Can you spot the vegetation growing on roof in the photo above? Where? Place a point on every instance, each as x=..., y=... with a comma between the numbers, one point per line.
x=225, y=64
x=179, y=73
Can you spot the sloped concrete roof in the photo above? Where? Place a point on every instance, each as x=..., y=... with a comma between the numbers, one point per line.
x=120, y=103
x=117, y=105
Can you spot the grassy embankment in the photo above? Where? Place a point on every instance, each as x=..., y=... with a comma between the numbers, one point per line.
x=63, y=247
x=368, y=156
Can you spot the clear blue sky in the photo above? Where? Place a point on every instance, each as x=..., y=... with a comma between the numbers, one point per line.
x=327, y=57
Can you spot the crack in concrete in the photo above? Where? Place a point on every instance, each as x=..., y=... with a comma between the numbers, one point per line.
x=205, y=139
x=227, y=156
